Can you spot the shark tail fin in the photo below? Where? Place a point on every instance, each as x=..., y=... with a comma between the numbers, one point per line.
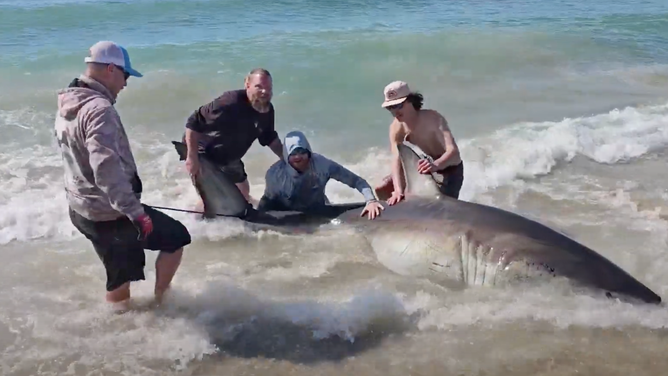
x=181, y=149
x=219, y=195
x=416, y=183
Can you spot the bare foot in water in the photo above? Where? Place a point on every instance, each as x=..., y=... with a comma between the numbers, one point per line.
x=159, y=297
x=120, y=307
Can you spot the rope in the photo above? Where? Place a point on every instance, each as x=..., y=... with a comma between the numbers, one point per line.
x=191, y=211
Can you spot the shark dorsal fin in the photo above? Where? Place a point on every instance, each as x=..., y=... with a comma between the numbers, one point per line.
x=417, y=184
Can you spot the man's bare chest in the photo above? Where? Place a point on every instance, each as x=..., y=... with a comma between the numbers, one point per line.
x=426, y=139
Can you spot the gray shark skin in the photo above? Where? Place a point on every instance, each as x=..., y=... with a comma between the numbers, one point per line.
x=476, y=244
x=219, y=195
x=460, y=244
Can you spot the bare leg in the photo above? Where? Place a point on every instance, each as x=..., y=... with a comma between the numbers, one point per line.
x=165, y=267
x=120, y=298
x=200, y=205
x=244, y=187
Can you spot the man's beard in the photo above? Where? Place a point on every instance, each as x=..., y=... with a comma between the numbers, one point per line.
x=261, y=105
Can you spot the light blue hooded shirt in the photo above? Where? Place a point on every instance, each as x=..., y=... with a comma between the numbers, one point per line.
x=304, y=191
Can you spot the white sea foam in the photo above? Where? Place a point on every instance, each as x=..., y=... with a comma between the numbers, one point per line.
x=32, y=203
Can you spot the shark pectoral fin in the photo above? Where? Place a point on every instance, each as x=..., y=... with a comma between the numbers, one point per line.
x=181, y=149
x=416, y=183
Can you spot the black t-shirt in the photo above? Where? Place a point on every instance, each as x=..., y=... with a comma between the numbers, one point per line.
x=229, y=126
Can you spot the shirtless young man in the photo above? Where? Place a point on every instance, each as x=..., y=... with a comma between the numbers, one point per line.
x=426, y=129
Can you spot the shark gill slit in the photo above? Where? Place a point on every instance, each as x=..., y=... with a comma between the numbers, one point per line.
x=473, y=261
x=463, y=258
x=476, y=266
x=480, y=265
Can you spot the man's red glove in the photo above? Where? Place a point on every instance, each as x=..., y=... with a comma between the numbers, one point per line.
x=144, y=225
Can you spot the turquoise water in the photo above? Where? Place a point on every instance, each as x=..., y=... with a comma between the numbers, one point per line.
x=463, y=55
x=560, y=109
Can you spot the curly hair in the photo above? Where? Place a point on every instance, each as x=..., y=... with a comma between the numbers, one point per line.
x=416, y=99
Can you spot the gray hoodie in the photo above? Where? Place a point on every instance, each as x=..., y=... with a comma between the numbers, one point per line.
x=101, y=179
x=288, y=188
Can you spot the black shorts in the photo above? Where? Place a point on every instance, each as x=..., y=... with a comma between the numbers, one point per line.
x=117, y=246
x=453, y=178
x=235, y=171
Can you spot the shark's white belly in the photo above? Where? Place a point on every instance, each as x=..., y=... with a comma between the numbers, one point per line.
x=451, y=259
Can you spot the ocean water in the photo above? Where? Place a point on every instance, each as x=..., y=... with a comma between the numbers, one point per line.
x=560, y=109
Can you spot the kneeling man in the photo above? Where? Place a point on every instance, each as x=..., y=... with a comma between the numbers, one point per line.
x=297, y=183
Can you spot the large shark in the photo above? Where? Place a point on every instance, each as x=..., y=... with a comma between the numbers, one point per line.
x=454, y=242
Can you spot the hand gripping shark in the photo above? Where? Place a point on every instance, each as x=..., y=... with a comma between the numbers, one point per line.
x=454, y=242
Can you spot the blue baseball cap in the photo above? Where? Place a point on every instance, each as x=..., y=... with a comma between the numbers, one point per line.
x=106, y=52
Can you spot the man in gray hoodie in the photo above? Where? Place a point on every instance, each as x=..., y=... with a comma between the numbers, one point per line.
x=297, y=183
x=102, y=186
